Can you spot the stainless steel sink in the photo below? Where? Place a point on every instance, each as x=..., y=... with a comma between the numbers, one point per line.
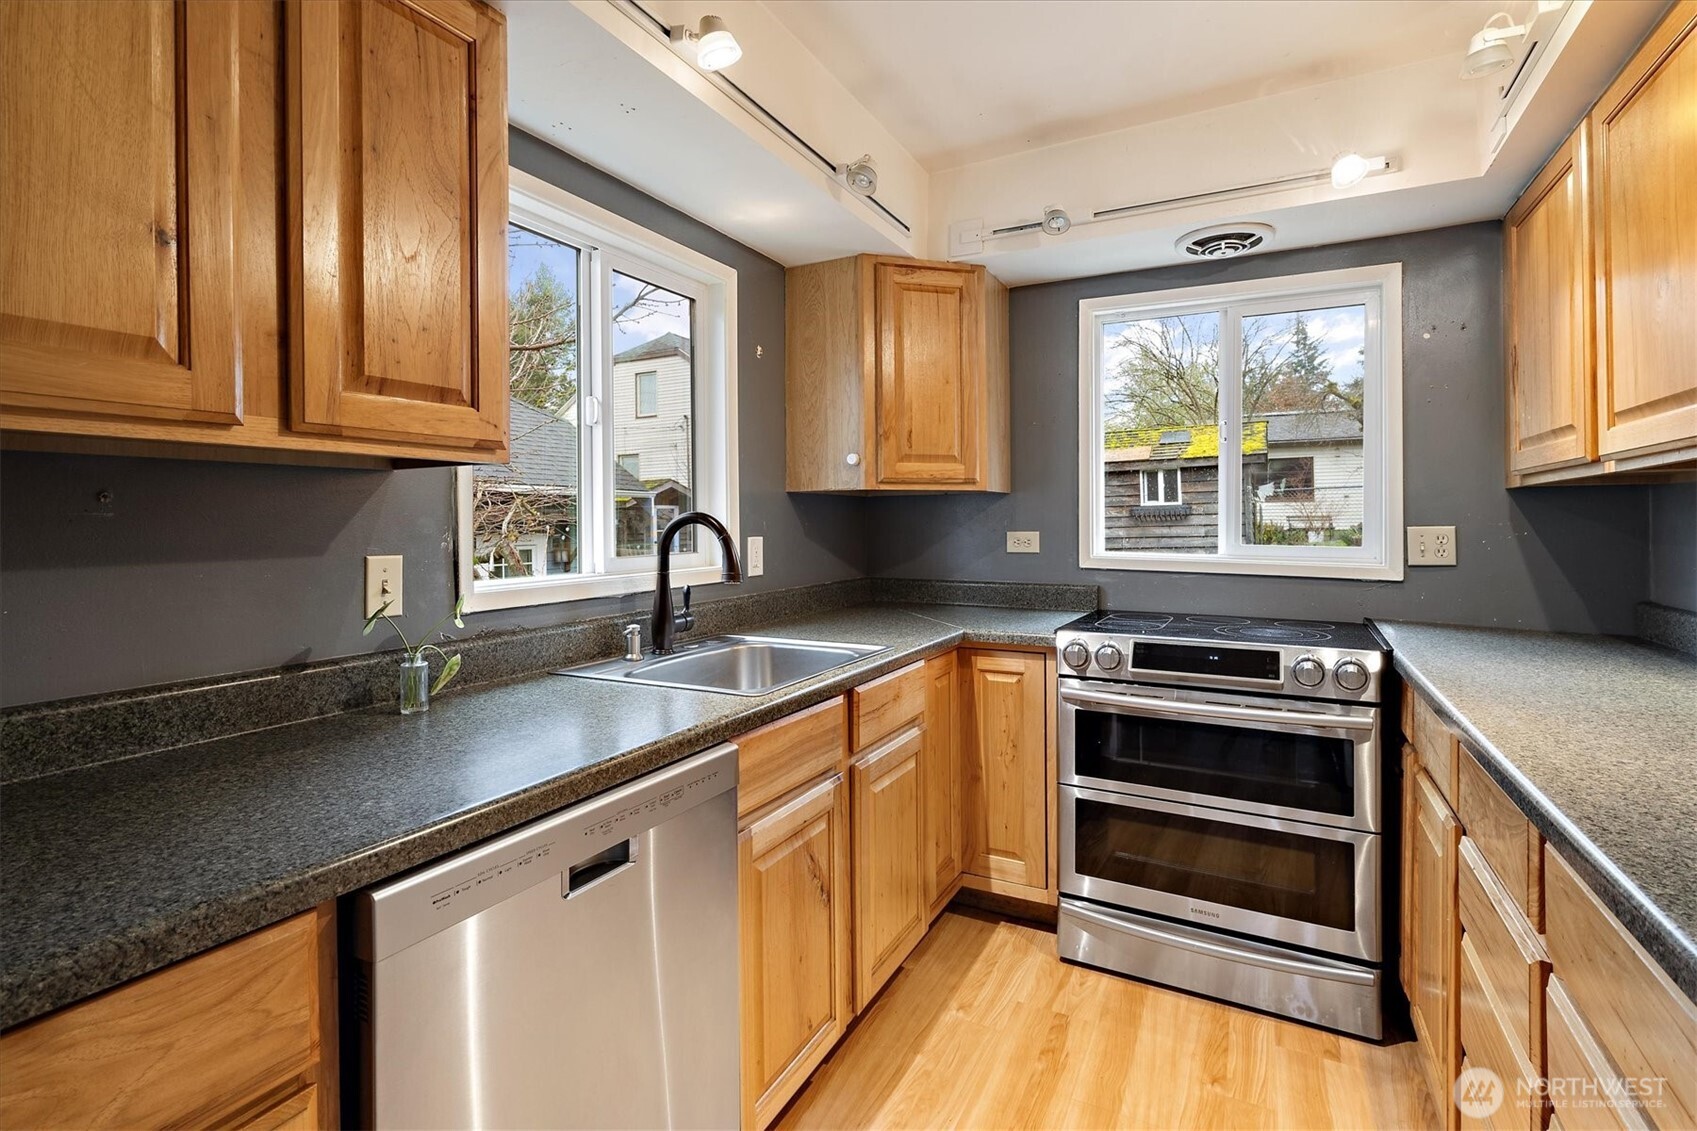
x=735, y=665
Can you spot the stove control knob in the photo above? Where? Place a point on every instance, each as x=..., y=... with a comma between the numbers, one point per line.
x=1108, y=658
x=1076, y=655
x=1308, y=671
x=1350, y=674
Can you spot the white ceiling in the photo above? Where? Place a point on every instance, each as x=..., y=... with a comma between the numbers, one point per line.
x=963, y=82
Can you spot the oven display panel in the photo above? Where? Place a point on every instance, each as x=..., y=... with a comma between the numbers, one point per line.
x=1207, y=659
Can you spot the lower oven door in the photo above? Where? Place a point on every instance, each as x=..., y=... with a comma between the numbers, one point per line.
x=1292, y=759
x=1284, y=881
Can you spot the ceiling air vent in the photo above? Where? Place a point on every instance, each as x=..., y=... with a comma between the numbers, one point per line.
x=1224, y=241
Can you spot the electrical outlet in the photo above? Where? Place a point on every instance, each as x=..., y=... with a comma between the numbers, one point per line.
x=756, y=564
x=383, y=583
x=1022, y=541
x=1431, y=545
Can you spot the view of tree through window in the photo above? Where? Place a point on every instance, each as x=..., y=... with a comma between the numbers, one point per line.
x=1301, y=379
x=527, y=514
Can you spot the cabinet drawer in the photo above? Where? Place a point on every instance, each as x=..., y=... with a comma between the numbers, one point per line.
x=1502, y=834
x=194, y=1043
x=785, y=755
x=1644, y=1025
x=1487, y=1042
x=1582, y=1082
x=1437, y=747
x=1511, y=958
x=887, y=704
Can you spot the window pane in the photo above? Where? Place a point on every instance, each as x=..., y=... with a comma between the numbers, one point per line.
x=525, y=514
x=1304, y=477
x=653, y=414
x=1161, y=437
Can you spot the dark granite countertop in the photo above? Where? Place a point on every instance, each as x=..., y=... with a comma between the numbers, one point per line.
x=1595, y=738
x=114, y=870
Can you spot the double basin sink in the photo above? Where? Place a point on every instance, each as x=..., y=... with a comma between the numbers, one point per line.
x=734, y=665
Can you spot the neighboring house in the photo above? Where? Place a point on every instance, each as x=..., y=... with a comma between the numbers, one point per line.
x=1315, y=476
x=535, y=498
x=653, y=413
x=1303, y=481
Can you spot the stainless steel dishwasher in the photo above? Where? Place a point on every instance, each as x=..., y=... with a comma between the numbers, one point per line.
x=580, y=971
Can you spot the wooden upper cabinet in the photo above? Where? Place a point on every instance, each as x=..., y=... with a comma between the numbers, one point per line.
x=928, y=401
x=1552, y=413
x=896, y=376
x=118, y=179
x=397, y=173
x=1644, y=167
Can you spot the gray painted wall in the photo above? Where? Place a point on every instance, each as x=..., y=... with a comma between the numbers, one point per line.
x=198, y=569
x=1673, y=545
x=1564, y=558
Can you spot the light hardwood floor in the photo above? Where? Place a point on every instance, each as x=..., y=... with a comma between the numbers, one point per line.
x=983, y=1027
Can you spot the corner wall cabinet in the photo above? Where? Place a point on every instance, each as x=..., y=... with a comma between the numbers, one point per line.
x=1511, y=963
x=292, y=239
x=896, y=376
x=1601, y=257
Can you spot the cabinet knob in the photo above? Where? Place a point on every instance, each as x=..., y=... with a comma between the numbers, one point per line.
x=853, y=459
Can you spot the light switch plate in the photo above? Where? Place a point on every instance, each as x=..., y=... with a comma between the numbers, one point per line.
x=383, y=583
x=756, y=563
x=1431, y=545
x=1023, y=542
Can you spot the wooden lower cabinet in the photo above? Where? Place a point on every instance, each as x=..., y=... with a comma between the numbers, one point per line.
x=1431, y=934
x=793, y=871
x=243, y=1035
x=890, y=909
x=939, y=762
x=1007, y=779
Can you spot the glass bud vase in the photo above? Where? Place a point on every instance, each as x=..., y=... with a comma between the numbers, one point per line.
x=415, y=685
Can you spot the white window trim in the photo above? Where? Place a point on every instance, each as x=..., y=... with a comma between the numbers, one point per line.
x=1380, y=556
x=1143, y=487
x=628, y=246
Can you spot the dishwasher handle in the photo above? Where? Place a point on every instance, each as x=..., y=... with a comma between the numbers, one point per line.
x=604, y=865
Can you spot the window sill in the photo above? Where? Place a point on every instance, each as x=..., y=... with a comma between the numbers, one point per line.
x=567, y=590
x=1353, y=570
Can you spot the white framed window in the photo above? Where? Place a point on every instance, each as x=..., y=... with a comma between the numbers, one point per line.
x=648, y=394
x=1276, y=403
x=1163, y=488
x=599, y=453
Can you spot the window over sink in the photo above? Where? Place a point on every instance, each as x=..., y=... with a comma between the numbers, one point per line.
x=1251, y=427
x=622, y=396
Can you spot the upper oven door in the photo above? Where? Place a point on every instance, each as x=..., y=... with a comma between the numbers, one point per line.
x=1283, y=758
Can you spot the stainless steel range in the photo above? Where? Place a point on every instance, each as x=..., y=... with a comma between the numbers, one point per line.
x=1220, y=808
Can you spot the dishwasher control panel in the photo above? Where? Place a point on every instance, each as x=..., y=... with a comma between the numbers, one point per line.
x=397, y=914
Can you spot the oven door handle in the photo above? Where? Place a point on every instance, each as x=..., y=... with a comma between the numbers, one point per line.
x=1225, y=712
x=1328, y=971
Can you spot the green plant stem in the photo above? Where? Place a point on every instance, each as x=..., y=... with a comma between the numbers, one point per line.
x=410, y=650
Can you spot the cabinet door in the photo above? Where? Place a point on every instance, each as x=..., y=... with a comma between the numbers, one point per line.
x=889, y=862
x=1006, y=780
x=931, y=409
x=397, y=152
x=793, y=874
x=1436, y=931
x=1644, y=142
x=1551, y=403
x=117, y=209
x=939, y=761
